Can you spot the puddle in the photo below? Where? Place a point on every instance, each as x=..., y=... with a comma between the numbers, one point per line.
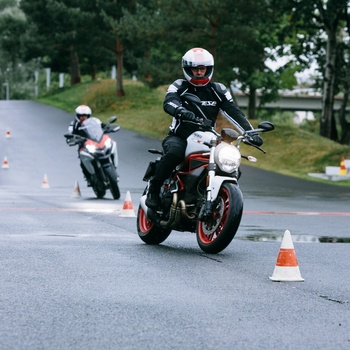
x=63, y=235
x=296, y=238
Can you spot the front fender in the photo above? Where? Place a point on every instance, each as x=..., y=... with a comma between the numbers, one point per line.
x=87, y=159
x=217, y=181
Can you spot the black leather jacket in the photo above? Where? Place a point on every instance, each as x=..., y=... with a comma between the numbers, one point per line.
x=215, y=98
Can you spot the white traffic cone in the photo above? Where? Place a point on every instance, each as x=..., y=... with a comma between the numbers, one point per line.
x=8, y=134
x=287, y=268
x=5, y=163
x=76, y=190
x=45, y=183
x=128, y=209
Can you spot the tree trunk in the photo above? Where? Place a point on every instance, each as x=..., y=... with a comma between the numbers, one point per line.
x=327, y=118
x=345, y=125
x=119, y=51
x=75, y=77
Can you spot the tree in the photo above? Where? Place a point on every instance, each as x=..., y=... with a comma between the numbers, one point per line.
x=112, y=12
x=343, y=66
x=70, y=33
x=12, y=70
x=315, y=27
x=57, y=25
x=233, y=31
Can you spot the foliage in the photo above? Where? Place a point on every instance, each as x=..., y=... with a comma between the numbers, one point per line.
x=315, y=32
x=148, y=39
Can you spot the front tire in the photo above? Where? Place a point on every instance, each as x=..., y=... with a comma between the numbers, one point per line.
x=148, y=231
x=113, y=181
x=215, y=235
x=97, y=187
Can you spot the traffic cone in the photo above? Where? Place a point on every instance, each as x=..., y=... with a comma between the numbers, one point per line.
x=287, y=268
x=5, y=163
x=76, y=190
x=128, y=209
x=8, y=134
x=343, y=170
x=45, y=183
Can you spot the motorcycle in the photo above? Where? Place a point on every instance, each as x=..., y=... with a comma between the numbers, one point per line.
x=98, y=154
x=202, y=195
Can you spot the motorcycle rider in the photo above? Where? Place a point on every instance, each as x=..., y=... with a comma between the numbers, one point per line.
x=198, y=68
x=82, y=113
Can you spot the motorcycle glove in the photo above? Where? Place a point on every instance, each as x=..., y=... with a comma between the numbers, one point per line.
x=256, y=139
x=184, y=114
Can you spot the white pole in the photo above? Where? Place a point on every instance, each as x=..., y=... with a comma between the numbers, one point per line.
x=114, y=72
x=48, y=72
x=7, y=90
x=61, y=77
x=36, y=79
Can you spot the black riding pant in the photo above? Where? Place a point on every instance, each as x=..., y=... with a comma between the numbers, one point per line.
x=174, y=153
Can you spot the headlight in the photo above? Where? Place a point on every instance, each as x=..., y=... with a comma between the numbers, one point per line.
x=91, y=148
x=227, y=157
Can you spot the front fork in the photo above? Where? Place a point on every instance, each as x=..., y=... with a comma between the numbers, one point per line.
x=214, y=183
x=206, y=209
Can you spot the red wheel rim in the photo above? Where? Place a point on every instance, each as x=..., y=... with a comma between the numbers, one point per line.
x=144, y=224
x=209, y=231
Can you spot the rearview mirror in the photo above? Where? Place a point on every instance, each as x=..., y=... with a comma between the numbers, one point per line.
x=266, y=126
x=112, y=119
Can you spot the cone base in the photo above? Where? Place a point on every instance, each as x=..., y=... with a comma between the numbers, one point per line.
x=286, y=274
x=128, y=213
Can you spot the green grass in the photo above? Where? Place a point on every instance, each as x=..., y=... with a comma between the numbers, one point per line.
x=289, y=149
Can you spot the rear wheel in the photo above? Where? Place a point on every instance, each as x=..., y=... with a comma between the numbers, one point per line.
x=148, y=231
x=216, y=234
x=113, y=181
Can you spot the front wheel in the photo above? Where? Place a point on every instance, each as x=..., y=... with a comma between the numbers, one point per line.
x=148, y=231
x=216, y=234
x=113, y=181
x=98, y=187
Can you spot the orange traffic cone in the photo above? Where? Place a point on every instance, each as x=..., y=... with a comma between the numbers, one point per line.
x=8, y=134
x=5, y=163
x=287, y=268
x=342, y=170
x=45, y=183
x=128, y=209
x=76, y=190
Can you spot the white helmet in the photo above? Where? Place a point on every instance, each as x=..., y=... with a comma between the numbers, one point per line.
x=194, y=58
x=82, y=110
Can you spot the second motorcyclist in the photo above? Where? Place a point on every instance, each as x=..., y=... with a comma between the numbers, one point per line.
x=82, y=113
x=198, y=68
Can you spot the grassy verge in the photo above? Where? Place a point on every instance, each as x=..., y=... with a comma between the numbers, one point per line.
x=289, y=150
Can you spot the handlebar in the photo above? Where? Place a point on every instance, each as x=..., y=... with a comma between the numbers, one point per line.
x=262, y=127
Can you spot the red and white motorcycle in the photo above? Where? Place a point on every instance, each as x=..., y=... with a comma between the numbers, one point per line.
x=202, y=195
x=98, y=153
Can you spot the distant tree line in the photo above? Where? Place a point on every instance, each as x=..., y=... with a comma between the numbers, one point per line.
x=148, y=38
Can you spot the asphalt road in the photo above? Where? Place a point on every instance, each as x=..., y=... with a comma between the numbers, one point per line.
x=75, y=275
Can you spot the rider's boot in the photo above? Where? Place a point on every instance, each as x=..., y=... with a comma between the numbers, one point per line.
x=153, y=200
